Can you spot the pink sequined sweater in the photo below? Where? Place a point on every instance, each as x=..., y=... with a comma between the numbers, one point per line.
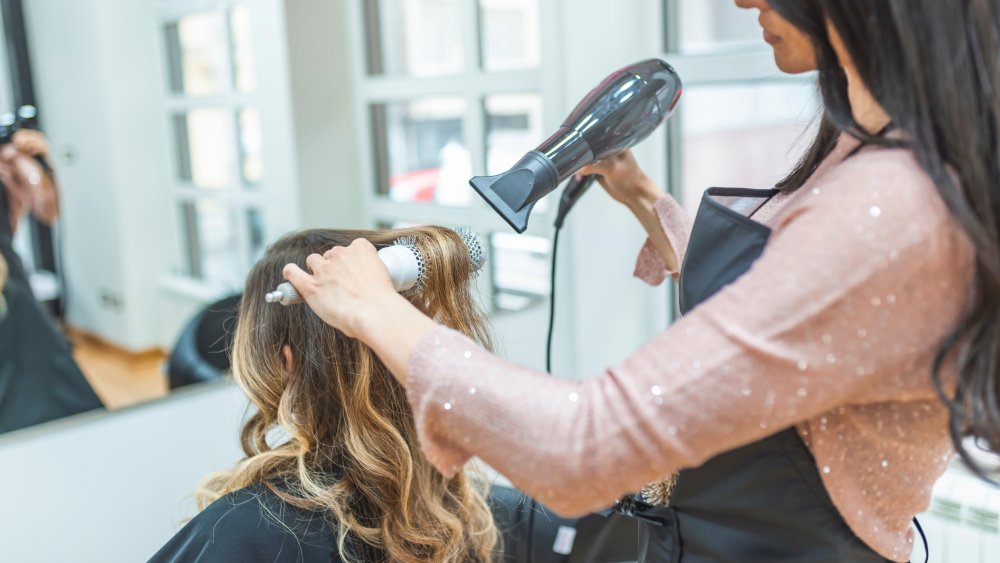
x=832, y=331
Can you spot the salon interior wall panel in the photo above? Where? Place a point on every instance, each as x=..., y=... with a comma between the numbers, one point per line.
x=97, y=84
x=113, y=487
x=327, y=157
x=612, y=312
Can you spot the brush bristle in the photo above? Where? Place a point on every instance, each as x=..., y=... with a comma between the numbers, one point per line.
x=473, y=243
x=476, y=246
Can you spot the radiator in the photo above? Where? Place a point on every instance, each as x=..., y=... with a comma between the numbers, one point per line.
x=963, y=522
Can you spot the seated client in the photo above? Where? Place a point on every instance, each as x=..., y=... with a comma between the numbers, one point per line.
x=333, y=471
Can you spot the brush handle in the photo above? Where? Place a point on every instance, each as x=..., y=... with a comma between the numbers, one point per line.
x=404, y=263
x=400, y=261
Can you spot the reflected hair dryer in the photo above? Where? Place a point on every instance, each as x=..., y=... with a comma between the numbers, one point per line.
x=623, y=110
x=26, y=117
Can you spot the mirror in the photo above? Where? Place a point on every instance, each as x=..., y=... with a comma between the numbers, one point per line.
x=192, y=157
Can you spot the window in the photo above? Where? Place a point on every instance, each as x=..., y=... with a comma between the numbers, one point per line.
x=423, y=153
x=216, y=130
x=448, y=90
x=741, y=135
x=741, y=123
x=716, y=25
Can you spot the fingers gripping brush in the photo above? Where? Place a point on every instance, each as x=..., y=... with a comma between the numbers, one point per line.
x=407, y=268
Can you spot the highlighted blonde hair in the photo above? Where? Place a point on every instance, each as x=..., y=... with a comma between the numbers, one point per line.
x=349, y=445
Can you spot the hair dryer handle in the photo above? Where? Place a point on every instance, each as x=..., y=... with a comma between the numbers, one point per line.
x=574, y=190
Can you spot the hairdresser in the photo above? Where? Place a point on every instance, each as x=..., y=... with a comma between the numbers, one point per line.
x=836, y=344
x=39, y=381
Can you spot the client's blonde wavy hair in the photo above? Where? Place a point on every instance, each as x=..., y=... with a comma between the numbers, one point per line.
x=348, y=446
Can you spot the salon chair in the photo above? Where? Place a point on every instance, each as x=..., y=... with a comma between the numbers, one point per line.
x=202, y=351
x=591, y=539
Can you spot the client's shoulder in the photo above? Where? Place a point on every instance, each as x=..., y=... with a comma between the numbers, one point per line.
x=253, y=524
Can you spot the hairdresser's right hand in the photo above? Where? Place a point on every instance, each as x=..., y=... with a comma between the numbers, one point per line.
x=32, y=143
x=344, y=286
x=624, y=181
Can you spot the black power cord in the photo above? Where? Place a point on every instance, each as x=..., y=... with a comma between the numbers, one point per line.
x=571, y=194
x=552, y=302
x=532, y=503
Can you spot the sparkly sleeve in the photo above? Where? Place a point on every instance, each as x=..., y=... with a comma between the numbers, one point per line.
x=864, y=278
x=676, y=224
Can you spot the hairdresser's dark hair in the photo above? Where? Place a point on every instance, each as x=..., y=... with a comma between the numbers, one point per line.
x=935, y=68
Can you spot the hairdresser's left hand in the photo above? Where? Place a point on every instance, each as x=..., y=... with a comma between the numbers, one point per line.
x=346, y=286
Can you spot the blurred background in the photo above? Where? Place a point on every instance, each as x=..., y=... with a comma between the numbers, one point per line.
x=186, y=135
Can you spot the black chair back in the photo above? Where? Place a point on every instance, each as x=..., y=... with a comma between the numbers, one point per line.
x=202, y=351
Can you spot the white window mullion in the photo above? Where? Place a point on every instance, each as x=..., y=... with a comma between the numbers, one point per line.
x=390, y=88
x=361, y=80
x=471, y=31
x=750, y=66
x=242, y=228
x=474, y=122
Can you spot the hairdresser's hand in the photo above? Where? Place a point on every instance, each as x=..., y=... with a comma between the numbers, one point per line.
x=32, y=143
x=22, y=173
x=622, y=178
x=349, y=288
x=344, y=285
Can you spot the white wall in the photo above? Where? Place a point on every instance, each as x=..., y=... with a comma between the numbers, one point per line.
x=322, y=109
x=113, y=487
x=612, y=313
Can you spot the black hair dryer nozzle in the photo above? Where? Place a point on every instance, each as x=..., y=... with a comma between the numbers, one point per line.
x=622, y=111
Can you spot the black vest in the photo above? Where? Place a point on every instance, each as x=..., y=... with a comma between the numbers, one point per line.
x=764, y=502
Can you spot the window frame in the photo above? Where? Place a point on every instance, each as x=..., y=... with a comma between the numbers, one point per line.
x=474, y=84
x=239, y=197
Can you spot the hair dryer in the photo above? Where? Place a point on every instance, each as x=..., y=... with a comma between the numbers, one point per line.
x=622, y=111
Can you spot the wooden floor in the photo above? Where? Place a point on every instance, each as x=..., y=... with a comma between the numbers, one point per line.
x=119, y=377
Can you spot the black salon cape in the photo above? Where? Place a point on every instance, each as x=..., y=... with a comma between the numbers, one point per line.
x=253, y=525
x=39, y=381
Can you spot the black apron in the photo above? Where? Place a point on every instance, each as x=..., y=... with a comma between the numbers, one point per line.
x=762, y=502
x=39, y=381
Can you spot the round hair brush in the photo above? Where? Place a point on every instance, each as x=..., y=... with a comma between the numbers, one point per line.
x=407, y=268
